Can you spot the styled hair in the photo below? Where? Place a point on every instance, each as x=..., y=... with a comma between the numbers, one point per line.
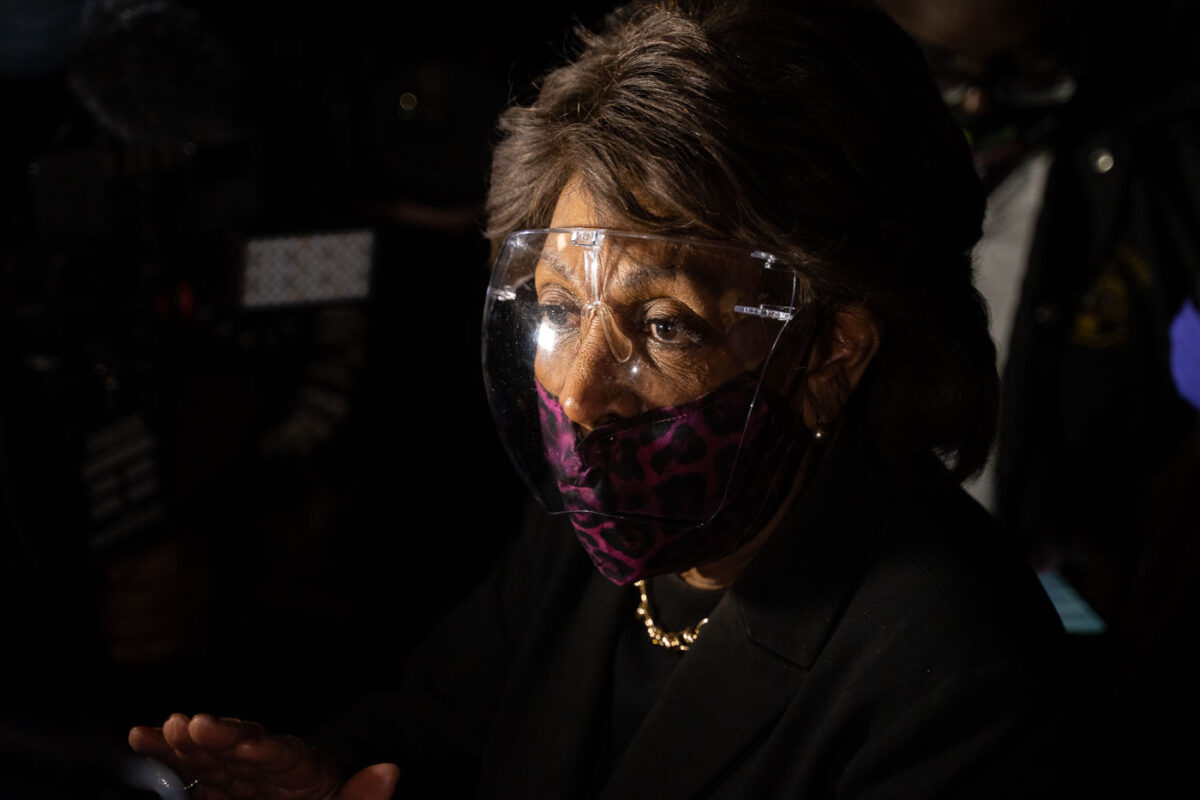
x=811, y=130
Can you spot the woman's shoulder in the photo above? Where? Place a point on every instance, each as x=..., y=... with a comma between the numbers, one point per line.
x=886, y=591
x=930, y=653
x=940, y=569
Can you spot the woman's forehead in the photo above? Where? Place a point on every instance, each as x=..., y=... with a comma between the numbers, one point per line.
x=576, y=207
x=630, y=257
x=634, y=263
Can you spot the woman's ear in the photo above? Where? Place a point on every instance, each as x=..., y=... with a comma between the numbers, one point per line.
x=838, y=363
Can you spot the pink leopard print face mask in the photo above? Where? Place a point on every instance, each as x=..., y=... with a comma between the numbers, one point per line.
x=675, y=487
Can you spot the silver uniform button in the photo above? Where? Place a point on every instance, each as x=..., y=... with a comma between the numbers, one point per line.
x=1102, y=160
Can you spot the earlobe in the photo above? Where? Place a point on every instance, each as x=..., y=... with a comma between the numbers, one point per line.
x=838, y=364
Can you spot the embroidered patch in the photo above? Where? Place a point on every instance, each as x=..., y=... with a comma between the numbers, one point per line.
x=1102, y=318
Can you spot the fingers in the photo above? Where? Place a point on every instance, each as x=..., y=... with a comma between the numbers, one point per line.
x=278, y=753
x=173, y=745
x=220, y=733
x=149, y=742
x=232, y=758
x=373, y=783
x=175, y=731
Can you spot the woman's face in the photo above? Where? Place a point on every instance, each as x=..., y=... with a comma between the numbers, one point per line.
x=638, y=324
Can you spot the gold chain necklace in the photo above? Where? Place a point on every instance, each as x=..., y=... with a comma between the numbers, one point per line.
x=672, y=640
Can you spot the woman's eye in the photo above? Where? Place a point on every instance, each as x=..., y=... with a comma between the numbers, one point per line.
x=665, y=330
x=672, y=331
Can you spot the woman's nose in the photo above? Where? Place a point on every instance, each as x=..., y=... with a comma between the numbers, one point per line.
x=596, y=389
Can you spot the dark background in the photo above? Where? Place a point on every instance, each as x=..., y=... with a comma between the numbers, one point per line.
x=262, y=569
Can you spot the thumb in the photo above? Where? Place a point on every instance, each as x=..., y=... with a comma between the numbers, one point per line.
x=373, y=783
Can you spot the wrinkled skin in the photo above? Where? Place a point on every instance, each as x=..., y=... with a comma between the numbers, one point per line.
x=231, y=758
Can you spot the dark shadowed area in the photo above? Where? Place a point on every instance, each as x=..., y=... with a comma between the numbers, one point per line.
x=245, y=453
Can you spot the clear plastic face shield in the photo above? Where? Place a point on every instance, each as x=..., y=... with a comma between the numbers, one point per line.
x=611, y=360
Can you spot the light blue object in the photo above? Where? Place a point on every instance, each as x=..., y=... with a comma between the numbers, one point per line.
x=1185, y=353
x=142, y=772
x=1077, y=616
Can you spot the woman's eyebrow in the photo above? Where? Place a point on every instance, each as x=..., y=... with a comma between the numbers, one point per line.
x=640, y=275
x=668, y=265
x=557, y=265
x=673, y=269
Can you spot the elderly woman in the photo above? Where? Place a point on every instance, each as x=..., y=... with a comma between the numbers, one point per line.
x=733, y=346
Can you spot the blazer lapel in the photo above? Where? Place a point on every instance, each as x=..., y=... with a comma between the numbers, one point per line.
x=719, y=701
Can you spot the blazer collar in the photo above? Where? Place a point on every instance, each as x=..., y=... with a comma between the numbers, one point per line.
x=789, y=598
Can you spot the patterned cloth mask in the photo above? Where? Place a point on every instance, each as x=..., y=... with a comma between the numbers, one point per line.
x=637, y=489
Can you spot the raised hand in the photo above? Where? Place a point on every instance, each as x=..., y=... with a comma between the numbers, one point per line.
x=233, y=759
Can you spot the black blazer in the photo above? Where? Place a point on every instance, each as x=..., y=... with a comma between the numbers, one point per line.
x=883, y=644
